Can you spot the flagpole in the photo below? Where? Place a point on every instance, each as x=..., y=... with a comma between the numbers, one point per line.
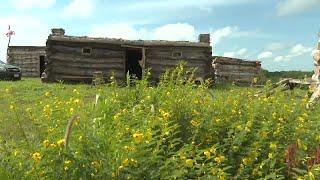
x=9, y=34
x=9, y=42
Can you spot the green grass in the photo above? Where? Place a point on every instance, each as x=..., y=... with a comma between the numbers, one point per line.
x=173, y=130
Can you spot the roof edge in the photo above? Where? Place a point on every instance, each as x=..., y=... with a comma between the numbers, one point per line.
x=85, y=39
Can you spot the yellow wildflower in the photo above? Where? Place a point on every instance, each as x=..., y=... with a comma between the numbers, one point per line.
x=256, y=172
x=189, y=163
x=11, y=107
x=255, y=80
x=53, y=145
x=36, y=157
x=137, y=137
x=71, y=110
x=60, y=142
x=46, y=143
x=273, y=146
x=213, y=150
x=75, y=91
x=125, y=162
x=246, y=161
x=195, y=112
x=207, y=154
x=311, y=175
x=47, y=110
x=301, y=119
x=47, y=94
x=28, y=110
x=194, y=122
x=96, y=164
x=116, y=117
x=67, y=165
x=220, y=159
x=76, y=101
x=16, y=152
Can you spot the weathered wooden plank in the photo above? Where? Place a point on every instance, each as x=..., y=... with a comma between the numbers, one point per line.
x=117, y=65
x=160, y=62
x=234, y=67
x=95, y=52
x=244, y=63
x=83, y=72
x=82, y=59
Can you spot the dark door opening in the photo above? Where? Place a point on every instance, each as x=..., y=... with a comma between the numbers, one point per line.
x=132, y=63
x=42, y=65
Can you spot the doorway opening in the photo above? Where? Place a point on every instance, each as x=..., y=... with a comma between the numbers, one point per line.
x=42, y=65
x=133, y=56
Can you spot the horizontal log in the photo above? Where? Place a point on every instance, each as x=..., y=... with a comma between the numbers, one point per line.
x=183, y=55
x=113, y=41
x=161, y=62
x=236, y=74
x=95, y=52
x=235, y=67
x=81, y=72
x=117, y=65
x=24, y=62
x=64, y=77
x=236, y=71
x=237, y=64
x=82, y=59
x=233, y=61
x=206, y=50
x=163, y=70
x=182, y=58
x=22, y=51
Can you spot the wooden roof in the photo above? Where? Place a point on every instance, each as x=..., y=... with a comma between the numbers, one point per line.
x=27, y=47
x=221, y=59
x=142, y=43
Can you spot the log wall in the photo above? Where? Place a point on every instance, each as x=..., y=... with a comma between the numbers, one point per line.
x=159, y=59
x=228, y=70
x=67, y=62
x=27, y=58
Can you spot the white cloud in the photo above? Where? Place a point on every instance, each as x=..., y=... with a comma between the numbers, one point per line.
x=174, y=32
x=240, y=53
x=118, y=30
x=281, y=58
x=265, y=55
x=234, y=32
x=219, y=34
x=229, y=54
x=296, y=51
x=28, y=4
x=174, y=4
x=299, y=50
x=277, y=46
x=80, y=8
x=28, y=31
x=289, y=7
x=177, y=32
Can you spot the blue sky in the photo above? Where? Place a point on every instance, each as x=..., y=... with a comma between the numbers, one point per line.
x=280, y=33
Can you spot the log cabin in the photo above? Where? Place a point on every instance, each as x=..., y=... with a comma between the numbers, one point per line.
x=77, y=58
x=31, y=59
x=234, y=70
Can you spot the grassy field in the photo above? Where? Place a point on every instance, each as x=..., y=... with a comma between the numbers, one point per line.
x=174, y=130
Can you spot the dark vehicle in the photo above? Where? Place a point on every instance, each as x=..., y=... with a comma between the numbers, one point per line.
x=9, y=72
